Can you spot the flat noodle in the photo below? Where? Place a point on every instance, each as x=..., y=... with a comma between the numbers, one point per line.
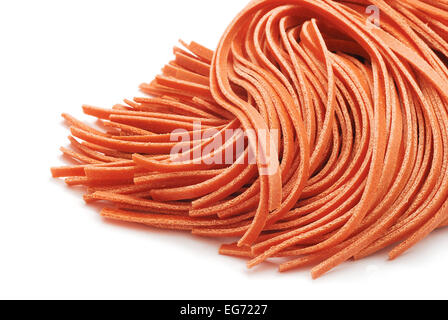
x=348, y=122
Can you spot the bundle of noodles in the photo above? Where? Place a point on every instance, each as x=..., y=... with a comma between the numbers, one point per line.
x=356, y=117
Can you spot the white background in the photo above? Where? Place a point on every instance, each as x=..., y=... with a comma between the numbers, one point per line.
x=57, y=55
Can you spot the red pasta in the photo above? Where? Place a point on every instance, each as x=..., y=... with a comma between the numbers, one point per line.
x=316, y=132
